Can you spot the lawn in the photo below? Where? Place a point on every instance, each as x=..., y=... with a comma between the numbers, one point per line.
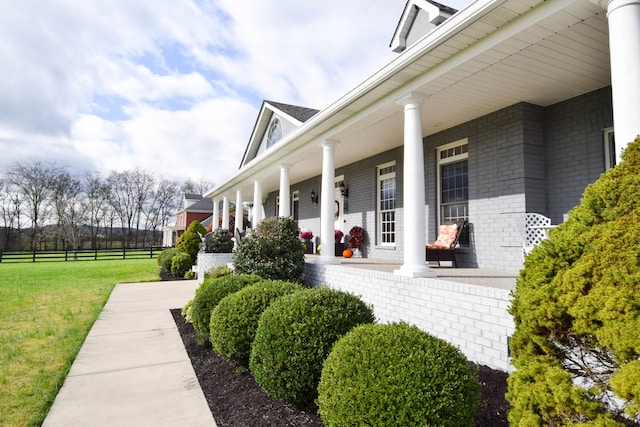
x=46, y=311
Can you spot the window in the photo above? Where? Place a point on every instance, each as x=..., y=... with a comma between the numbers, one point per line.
x=275, y=132
x=386, y=189
x=453, y=183
x=295, y=205
x=609, y=149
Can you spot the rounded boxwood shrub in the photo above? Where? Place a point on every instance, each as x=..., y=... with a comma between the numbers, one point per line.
x=180, y=264
x=295, y=335
x=576, y=309
x=272, y=251
x=396, y=375
x=165, y=257
x=209, y=294
x=235, y=319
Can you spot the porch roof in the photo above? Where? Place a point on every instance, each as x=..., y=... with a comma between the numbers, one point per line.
x=490, y=55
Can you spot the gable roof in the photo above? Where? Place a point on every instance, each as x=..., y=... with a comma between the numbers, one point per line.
x=295, y=114
x=436, y=13
x=202, y=205
x=302, y=114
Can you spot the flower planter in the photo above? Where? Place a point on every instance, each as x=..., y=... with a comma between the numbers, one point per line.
x=308, y=246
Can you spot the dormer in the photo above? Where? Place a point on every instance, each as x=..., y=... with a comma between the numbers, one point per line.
x=275, y=121
x=419, y=18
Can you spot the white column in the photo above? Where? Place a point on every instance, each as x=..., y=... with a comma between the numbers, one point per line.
x=328, y=252
x=239, y=215
x=216, y=215
x=257, y=203
x=413, y=195
x=285, y=204
x=624, y=50
x=225, y=213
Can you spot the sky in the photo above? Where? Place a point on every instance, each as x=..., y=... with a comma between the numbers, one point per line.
x=174, y=86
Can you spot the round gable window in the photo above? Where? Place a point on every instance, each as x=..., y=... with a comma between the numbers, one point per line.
x=275, y=133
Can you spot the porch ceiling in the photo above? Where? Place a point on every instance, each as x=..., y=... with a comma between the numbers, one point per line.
x=500, y=53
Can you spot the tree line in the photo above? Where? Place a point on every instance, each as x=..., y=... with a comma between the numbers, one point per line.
x=45, y=207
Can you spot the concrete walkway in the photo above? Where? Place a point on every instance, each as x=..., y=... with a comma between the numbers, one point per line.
x=132, y=369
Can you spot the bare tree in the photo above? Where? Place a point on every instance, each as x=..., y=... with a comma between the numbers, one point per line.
x=192, y=187
x=10, y=208
x=142, y=183
x=122, y=199
x=96, y=199
x=66, y=198
x=162, y=205
x=34, y=181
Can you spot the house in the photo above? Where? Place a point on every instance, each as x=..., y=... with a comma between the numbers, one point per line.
x=195, y=208
x=502, y=108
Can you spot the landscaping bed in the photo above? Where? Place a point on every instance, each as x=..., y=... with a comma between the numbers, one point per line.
x=236, y=400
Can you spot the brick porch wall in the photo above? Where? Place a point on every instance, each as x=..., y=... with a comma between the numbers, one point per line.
x=473, y=318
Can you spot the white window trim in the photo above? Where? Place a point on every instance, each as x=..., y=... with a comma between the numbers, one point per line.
x=607, y=133
x=378, y=213
x=440, y=162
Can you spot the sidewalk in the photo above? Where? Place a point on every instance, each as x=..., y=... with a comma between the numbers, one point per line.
x=132, y=369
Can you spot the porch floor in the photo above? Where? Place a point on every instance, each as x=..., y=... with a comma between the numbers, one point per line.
x=473, y=276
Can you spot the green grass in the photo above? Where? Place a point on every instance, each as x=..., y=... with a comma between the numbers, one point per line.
x=46, y=311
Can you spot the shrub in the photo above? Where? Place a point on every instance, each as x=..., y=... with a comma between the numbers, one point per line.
x=207, y=297
x=217, y=271
x=396, y=375
x=272, y=251
x=220, y=242
x=295, y=335
x=165, y=257
x=180, y=264
x=190, y=241
x=235, y=319
x=576, y=308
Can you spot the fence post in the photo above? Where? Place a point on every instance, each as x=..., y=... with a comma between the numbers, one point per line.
x=66, y=254
x=150, y=256
x=0, y=255
x=95, y=255
x=124, y=253
x=34, y=254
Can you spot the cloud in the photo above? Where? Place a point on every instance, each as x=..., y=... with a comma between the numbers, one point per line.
x=173, y=86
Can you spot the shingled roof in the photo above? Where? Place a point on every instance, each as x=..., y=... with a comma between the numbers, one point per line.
x=299, y=113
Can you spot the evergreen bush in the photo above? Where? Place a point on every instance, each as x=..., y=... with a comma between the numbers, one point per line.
x=294, y=336
x=180, y=264
x=165, y=257
x=220, y=242
x=235, y=319
x=209, y=294
x=190, y=241
x=272, y=251
x=396, y=375
x=576, y=308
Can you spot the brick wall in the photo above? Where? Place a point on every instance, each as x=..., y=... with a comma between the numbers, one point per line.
x=472, y=318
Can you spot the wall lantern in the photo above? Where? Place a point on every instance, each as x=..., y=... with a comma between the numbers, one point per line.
x=314, y=197
x=344, y=190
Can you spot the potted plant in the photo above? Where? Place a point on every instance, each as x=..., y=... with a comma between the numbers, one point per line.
x=339, y=246
x=306, y=236
x=338, y=235
x=356, y=240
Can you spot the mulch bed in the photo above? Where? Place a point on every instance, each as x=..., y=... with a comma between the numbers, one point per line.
x=235, y=399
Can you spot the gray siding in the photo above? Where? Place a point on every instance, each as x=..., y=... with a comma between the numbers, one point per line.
x=575, y=148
